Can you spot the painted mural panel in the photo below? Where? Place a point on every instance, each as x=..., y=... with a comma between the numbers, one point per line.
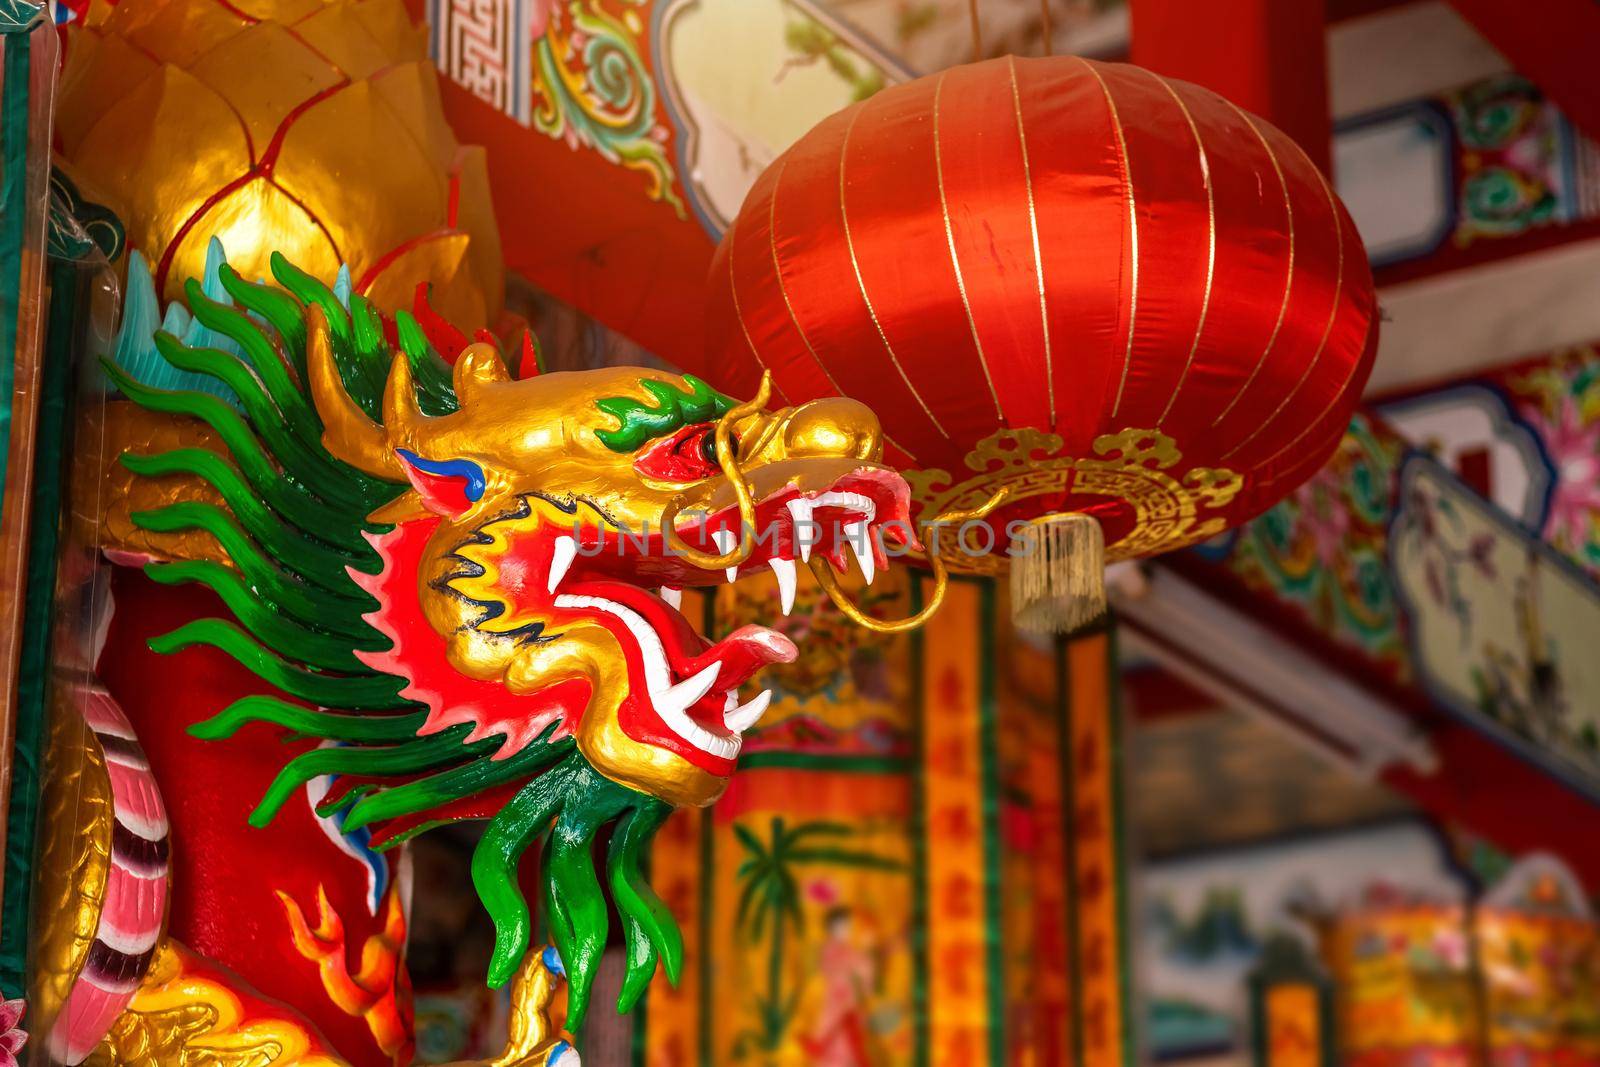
x=1528, y=437
x=920, y=861
x=1501, y=624
x=1323, y=552
x=1456, y=564
x=813, y=879
x=652, y=87
x=1490, y=160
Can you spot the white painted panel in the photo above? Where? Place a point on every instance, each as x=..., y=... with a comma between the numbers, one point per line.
x=1394, y=176
x=1404, y=53
x=1452, y=324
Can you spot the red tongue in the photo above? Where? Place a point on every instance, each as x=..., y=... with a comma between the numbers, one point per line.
x=742, y=653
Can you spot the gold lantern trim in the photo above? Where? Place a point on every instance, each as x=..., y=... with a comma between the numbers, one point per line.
x=1063, y=560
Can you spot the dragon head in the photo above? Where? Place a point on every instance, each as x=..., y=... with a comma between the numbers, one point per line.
x=552, y=521
x=510, y=649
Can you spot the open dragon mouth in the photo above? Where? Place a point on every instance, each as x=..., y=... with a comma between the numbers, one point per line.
x=691, y=683
x=854, y=516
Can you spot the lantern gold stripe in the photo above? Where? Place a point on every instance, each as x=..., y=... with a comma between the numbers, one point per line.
x=1349, y=376
x=955, y=260
x=1211, y=247
x=777, y=274
x=1288, y=280
x=1333, y=314
x=915, y=462
x=733, y=290
x=1133, y=231
x=1033, y=228
x=861, y=283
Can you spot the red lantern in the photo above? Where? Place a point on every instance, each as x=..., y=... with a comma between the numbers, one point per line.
x=1115, y=294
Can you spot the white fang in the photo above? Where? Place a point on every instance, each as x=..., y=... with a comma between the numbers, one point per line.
x=785, y=571
x=690, y=690
x=561, y=557
x=861, y=544
x=749, y=713
x=725, y=540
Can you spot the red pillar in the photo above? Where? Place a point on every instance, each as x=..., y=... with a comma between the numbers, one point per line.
x=1267, y=56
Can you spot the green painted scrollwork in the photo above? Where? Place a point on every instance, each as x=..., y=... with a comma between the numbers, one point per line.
x=592, y=89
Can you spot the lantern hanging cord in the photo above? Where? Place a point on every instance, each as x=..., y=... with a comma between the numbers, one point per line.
x=941, y=576
x=740, y=551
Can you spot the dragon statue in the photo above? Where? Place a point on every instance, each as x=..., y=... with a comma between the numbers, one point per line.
x=453, y=585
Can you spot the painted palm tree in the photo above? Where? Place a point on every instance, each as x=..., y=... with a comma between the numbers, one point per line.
x=769, y=905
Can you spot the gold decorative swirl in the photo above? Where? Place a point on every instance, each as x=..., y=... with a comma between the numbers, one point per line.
x=182, y=1015
x=1134, y=465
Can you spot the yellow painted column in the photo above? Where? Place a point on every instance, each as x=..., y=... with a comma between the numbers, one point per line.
x=959, y=809
x=1100, y=905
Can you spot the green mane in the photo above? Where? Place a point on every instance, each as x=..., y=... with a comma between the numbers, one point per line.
x=674, y=408
x=293, y=520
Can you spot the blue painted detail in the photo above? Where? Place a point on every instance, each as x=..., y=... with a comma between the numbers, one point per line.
x=552, y=962
x=134, y=349
x=198, y=336
x=560, y=1050
x=1217, y=548
x=342, y=286
x=377, y=864
x=464, y=469
x=357, y=844
x=176, y=321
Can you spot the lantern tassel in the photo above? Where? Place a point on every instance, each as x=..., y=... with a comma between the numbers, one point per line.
x=1058, y=574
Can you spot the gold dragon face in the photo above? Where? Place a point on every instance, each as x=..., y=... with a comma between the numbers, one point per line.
x=551, y=523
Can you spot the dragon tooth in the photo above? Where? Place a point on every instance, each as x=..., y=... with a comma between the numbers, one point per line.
x=691, y=689
x=658, y=677
x=672, y=596
x=800, y=510
x=861, y=545
x=784, y=569
x=725, y=540
x=561, y=557
x=749, y=713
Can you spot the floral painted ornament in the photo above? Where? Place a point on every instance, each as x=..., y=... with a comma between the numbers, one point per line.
x=12, y=1036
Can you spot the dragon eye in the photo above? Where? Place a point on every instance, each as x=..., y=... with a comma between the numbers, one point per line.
x=690, y=455
x=708, y=447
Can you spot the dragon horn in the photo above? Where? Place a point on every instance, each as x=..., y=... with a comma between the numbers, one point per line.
x=403, y=420
x=347, y=433
x=477, y=367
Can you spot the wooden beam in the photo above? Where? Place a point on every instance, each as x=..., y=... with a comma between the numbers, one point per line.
x=1267, y=56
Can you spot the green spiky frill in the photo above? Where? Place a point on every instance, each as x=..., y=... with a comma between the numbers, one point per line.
x=293, y=520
